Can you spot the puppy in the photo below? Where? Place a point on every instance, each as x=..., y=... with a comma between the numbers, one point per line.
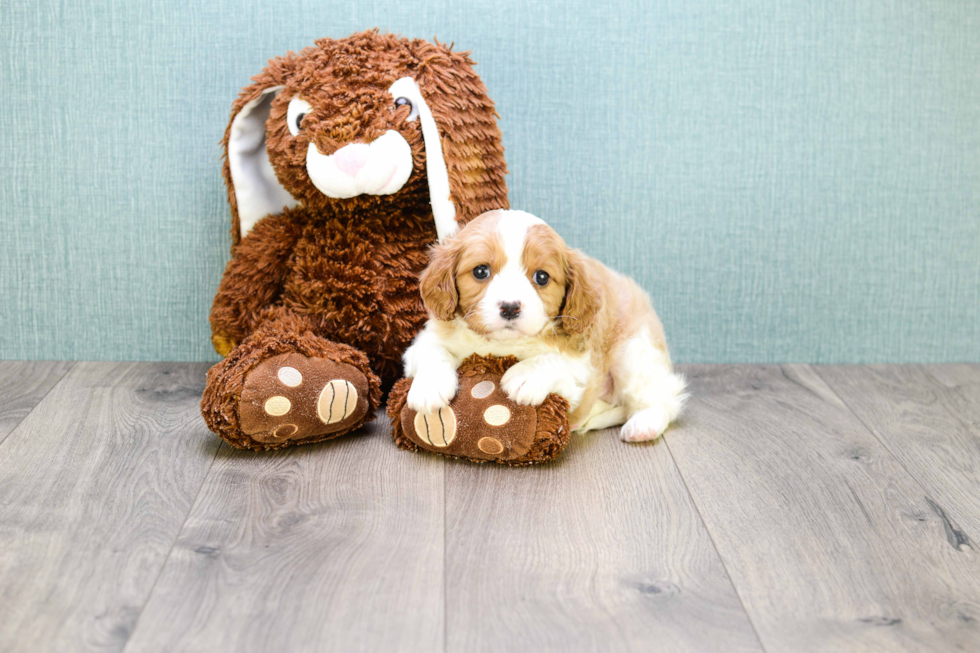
x=507, y=285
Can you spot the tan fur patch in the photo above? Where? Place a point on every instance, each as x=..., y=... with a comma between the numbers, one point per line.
x=489, y=251
x=223, y=344
x=545, y=250
x=448, y=285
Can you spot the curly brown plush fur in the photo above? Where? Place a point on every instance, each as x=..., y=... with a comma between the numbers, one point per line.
x=548, y=436
x=338, y=278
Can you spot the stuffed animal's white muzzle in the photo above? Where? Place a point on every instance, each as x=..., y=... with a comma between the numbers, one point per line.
x=378, y=168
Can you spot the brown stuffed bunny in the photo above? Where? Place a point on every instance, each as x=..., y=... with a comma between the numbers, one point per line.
x=344, y=163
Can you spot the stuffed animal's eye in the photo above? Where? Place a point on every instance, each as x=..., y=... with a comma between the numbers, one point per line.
x=412, y=111
x=298, y=109
x=481, y=271
x=541, y=278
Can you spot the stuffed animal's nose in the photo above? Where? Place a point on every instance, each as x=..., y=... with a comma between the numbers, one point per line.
x=510, y=310
x=351, y=158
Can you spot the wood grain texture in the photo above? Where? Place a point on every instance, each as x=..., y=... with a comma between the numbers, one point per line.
x=336, y=546
x=831, y=544
x=600, y=551
x=783, y=512
x=94, y=486
x=929, y=419
x=23, y=384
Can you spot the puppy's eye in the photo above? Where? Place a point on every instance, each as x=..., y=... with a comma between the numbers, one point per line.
x=481, y=271
x=298, y=109
x=405, y=102
x=541, y=278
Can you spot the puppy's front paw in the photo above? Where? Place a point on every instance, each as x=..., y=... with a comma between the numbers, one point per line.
x=432, y=390
x=644, y=425
x=528, y=384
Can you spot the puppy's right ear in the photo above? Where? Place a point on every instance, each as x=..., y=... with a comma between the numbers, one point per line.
x=438, y=282
x=582, y=298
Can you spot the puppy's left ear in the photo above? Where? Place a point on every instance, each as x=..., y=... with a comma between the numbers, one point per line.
x=582, y=296
x=438, y=282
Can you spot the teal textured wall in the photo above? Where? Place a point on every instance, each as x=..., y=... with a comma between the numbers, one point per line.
x=791, y=180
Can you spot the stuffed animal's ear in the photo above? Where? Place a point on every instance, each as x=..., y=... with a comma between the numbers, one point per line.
x=254, y=190
x=438, y=282
x=582, y=297
x=471, y=155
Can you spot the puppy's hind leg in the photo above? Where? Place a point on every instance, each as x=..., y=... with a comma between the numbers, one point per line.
x=647, y=386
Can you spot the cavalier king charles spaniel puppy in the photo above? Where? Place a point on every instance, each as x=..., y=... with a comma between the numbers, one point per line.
x=507, y=285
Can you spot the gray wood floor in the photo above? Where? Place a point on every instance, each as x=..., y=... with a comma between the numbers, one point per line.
x=794, y=508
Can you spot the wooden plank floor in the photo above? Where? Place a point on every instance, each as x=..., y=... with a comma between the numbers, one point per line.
x=23, y=384
x=794, y=508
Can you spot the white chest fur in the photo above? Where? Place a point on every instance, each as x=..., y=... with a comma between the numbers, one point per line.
x=461, y=341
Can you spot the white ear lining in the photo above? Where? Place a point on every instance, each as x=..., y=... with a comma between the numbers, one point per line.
x=258, y=192
x=443, y=210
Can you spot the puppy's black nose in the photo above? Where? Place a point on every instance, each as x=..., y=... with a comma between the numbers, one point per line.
x=510, y=310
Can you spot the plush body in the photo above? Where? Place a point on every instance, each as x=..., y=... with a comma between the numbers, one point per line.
x=507, y=285
x=344, y=164
x=353, y=277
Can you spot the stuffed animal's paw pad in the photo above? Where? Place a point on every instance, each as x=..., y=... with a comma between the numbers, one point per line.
x=483, y=389
x=292, y=397
x=496, y=415
x=437, y=428
x=337, y=401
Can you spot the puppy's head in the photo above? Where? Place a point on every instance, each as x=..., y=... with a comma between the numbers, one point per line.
x=508, y=275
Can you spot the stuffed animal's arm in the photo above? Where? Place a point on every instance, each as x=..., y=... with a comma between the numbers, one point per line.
x=253, y=278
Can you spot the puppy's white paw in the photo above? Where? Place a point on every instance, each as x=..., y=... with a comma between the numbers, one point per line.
x=432, y=390
x=644, y=425
x=528, y=384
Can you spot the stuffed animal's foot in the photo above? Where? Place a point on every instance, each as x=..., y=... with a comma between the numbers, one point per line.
x=482, y=423
x=290, y=397
x=284, y=385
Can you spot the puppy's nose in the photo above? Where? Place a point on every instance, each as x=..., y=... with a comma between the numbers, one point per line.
x=510, y=310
